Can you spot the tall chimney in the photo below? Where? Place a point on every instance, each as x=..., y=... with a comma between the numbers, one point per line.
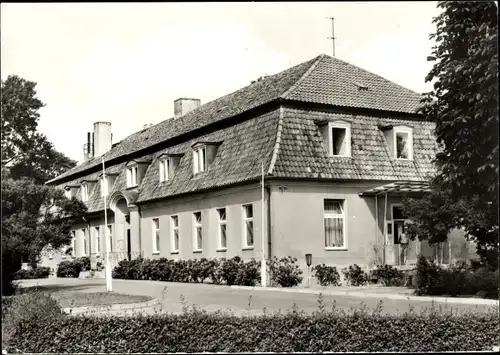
x=102, y=138
x=184, y=105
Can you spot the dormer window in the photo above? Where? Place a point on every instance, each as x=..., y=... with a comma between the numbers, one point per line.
x=403, y=143
x=85, y=192
x=132, y=176
x=168, y=162
x=337, y=138
x=68, y=193
x=199, y=159
x=203, y=155
x=107, y=183
x=104, y=186
x=164, y=169
x=399, y=140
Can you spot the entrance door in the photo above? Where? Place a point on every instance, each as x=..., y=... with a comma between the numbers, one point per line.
x=400, y=242
x=129, y=247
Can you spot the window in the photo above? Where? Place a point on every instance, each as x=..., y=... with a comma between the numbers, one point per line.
x=339, y=139
x=73, y=244
x=248, y=226
x=403, y=143
x=221, y=212
x=334, y=221
x=198, y=236
x=84, y=242
x=67, y=193
x=164, y=169
x=97, y=241
x=132, y=176
x=104, y=186
x=85, y=192
x=199, y=160
x=156, y=235
x=110, y=237
x=175, y=233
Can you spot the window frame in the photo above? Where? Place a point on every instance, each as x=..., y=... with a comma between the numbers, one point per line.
x=156, y=235
x=406, y=130
x=199, y=160
x=342, y=125
x=220, y=223
x=97, y=239
x=196, y=248
x=245, y=219
x=110, y=237
x=174, y=227
x=164, y=167
x=132, y=172
x=343, y=206
x=85, y=192
x=84, y=230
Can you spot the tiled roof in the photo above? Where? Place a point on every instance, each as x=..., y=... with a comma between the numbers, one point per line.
x=301, y=152
x=324, y=80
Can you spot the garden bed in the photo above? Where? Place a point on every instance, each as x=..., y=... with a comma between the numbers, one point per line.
x=80, y=299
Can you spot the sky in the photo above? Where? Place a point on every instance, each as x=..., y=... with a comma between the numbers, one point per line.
x=126, y=63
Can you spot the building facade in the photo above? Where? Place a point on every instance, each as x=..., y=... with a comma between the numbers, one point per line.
x=336, y=146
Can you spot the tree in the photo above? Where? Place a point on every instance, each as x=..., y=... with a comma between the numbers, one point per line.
x=26, y=152
x=464, y=105
x=34, y=216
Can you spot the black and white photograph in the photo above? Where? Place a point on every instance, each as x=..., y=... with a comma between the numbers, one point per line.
x=249, y=177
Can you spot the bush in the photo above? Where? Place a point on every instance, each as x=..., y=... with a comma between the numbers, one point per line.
x=229, y=270
x=41, y=272
x=25, y=309
x=248, y=274
x=327, y=331
x=355, y=276
x=284, y=272
x=129, y=269
x=326, y=275
x=388, y=275
x=72, y=268
x=458, y=279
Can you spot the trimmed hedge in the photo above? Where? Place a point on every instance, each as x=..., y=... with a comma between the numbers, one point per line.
x=198, y=331
x=232, y=271
x=388, y=275
x=41, y=272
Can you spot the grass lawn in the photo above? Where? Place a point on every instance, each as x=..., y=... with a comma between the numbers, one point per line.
x=79, y=299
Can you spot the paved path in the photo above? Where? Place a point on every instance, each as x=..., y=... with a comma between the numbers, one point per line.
x=212, y=297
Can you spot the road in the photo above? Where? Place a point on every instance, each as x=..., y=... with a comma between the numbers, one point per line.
x=212, y=297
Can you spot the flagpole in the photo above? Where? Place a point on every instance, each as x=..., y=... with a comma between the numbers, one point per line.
x=109, y=285
x=263, y=276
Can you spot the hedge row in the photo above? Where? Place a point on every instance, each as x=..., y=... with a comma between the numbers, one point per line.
x=198, y=331
x=232, y=271
x=41, y=272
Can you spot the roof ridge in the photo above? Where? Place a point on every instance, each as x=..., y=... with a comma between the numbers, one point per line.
x=277, y=143
x=303, y=77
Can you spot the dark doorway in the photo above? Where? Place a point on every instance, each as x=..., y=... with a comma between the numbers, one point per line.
x=129, y=247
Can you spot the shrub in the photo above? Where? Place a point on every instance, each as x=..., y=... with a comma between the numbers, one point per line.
x=326, y=275
x=229, y=270
x=41, y=272
x=388, y=275
x=293, y=332
x=458, y=279
x=72, y=268
x=284, y=272
x=129, y=269
x=248, y=273
x=28, y=308
x=355, y=276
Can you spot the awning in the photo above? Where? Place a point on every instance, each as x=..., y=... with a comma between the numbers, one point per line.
x=398, y=187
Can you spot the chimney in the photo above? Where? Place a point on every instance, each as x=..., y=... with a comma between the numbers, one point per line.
x=184, y=105
x=102, y=138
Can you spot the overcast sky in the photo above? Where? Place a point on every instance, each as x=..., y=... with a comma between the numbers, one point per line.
x=126, y=63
